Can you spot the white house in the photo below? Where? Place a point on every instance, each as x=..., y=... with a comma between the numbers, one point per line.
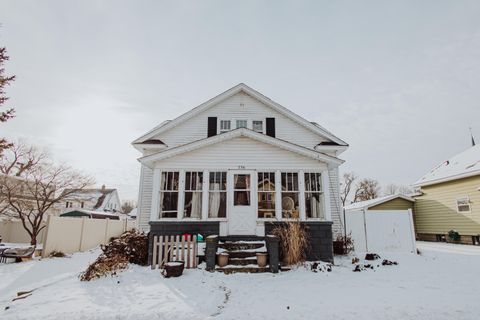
x=101, y=199
x=236, y=163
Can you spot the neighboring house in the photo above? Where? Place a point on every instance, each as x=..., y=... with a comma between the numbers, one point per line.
x=80, y=213
x=390, y=202
x=103, y=200
x=237, y=163
x=449, y=199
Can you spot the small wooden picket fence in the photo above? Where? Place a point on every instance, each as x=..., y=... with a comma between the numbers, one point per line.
x=174, y=248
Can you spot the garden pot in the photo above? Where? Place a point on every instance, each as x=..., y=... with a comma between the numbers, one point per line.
x=174, y=269
x=222, y=259
x=262, y=259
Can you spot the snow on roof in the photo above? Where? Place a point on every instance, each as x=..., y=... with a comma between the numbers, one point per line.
x=373, y=202
x=465, y=164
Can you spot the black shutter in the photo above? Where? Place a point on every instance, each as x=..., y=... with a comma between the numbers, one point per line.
x=271, y=127
x=212, y=126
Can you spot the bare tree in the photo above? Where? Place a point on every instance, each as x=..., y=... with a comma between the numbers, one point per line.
x=366, y=189
x=392, y=189
x=128, y=206
x=4, y=81
x=346, y=186
x=31, y=185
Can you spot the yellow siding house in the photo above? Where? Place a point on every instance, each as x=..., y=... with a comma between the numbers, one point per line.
x=449, y=199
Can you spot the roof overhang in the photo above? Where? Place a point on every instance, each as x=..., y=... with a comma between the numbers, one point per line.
x=242, y=132
x=447, y=179
x=164, y=126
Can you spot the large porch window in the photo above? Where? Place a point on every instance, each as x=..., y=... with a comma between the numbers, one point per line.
x=217, y=198
x=193, y=195
x=314, y=196
x=169, y=194
x=266, y=195
x=290, y=195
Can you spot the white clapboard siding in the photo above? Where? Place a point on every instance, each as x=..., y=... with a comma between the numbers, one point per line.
x=335, y=203
x=240, y=106
x=145, y=198
x=241, y=152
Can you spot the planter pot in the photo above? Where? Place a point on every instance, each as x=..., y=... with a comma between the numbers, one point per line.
x=174, y=269
x=222, y=259
x=262, y=259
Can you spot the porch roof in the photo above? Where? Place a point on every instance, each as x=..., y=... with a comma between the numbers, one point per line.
x=241, y=132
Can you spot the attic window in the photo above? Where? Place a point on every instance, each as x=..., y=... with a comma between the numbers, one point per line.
x=225, y=126
x=257, y=126
x=463, y=205
x=241, y=123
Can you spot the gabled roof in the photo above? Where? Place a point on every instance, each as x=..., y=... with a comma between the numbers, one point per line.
x=463, y=165
x=364, y=205
x=166, y=125
x=241, y=132
x=99, y=194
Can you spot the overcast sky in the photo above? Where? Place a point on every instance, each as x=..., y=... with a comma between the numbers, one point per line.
x=399, y=82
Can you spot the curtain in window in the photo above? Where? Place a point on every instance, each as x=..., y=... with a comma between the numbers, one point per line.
x=214, y=199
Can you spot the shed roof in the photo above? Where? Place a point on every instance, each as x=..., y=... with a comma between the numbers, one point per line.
x=364, y=205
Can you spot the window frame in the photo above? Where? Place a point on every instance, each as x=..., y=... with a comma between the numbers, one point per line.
x=262, y=124
x=272, y=192
x=465, y=198
x=162, y=189
x=229, y=121
x=308, y=190
x=192, y=189
x=290, y=190
x=236, y=123
x=223, y=173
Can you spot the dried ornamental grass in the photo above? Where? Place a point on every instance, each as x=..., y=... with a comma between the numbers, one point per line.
x=294, y=242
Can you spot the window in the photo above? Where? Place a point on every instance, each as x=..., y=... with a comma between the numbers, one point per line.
x=290, y=207
x=241, y=124
x=217, y=197
x=241, y=190
x=463, y=205
x=257, y=126
x=314, y=196
x=82, y=204
x=224, y=126
x=193, y=195
x=169, y=195
x=66, y=204
x=266, y=194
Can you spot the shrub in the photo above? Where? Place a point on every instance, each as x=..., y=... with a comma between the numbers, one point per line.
x=294, y=242
x=57, y=254
x=453, y=235
x=343, y=244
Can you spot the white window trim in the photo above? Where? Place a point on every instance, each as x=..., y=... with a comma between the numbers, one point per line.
x=219, y=126
x=263, y=125
x=469, y=204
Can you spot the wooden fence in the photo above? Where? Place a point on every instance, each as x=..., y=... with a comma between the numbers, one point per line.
x=174, y=248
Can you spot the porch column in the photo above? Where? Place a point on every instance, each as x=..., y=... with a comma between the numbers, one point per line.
x=205, y=191
x=155, y=205
x=301, y=200
x=278, y=195
x=181, y=194
x=326, y=195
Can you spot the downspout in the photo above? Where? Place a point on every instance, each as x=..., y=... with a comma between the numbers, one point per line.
x=365, y=229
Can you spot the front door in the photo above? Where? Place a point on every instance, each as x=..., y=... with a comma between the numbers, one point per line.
x=241, y=213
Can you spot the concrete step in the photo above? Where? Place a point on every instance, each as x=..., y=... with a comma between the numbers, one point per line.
x=242, y=261
x=243, y=269
x=243, y=254
x=240, y=246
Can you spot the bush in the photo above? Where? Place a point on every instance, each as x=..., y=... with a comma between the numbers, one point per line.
x=57, y=254
x=343, y=244
x=453, y=235
x=294, y=242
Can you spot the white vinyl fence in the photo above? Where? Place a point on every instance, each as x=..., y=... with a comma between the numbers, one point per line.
x=381, y=230
x=70, y=235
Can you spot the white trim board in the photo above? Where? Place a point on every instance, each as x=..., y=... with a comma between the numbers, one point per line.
x=242, y=132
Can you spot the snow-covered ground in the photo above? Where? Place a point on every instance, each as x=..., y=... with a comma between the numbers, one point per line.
x=441, y=283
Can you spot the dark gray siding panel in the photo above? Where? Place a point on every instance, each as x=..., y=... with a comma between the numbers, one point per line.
x=320, y=235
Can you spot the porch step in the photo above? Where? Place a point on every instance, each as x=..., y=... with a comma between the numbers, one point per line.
x=241, y=245
x=240, y=238
x=242, y=261
x=243, y=269
x=243, y=254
